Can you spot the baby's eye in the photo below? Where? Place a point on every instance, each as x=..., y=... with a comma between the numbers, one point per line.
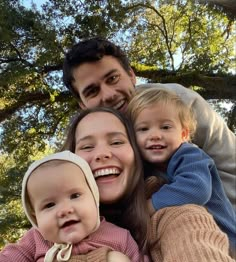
x=49, y=205
x=74, y=195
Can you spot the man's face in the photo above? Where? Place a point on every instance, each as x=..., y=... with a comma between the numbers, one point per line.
x=104, y=83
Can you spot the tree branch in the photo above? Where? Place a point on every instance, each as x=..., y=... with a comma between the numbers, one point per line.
x=214, y=86
x=30, y=98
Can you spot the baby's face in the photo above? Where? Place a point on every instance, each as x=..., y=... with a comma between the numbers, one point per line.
x=64, y=206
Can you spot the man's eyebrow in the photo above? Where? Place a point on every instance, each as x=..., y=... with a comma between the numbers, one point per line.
x=110, y=73
x=95, y=85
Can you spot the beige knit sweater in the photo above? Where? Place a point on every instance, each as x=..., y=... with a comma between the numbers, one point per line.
x=179, y=234
x=185, y=233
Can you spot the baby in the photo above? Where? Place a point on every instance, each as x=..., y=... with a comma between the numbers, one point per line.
x=61, y=200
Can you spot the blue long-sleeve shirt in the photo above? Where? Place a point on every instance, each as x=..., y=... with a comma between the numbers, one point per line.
x=194, y=179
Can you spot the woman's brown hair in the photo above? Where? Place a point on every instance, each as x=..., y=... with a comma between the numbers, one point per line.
x=131, y=211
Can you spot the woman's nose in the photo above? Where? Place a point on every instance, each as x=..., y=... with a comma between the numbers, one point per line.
x=103, y=156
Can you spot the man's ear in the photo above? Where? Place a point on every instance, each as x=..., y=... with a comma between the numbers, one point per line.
x=132, y=76
x=82, y=106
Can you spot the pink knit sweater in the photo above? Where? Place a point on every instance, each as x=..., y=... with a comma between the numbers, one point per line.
x=32, y=247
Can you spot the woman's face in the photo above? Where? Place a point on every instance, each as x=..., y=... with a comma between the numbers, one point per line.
x=101, y=139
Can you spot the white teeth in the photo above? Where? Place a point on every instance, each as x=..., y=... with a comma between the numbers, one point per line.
x=156, y=147
x=105, y=172
x=121, y=103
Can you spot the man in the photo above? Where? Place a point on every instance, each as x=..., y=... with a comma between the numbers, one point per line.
x=98, y=73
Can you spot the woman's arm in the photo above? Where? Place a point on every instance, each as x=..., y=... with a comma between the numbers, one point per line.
x=187, y=234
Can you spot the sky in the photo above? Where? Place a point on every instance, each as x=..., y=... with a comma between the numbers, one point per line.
x=28, y=3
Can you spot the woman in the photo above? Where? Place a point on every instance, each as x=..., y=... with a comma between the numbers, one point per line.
x=105, y=139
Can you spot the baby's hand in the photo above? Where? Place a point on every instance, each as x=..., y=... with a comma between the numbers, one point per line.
x=115, y=256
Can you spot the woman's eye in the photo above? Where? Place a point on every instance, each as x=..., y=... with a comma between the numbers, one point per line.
x=118, y=142
x=86, y=147
x=74, y=195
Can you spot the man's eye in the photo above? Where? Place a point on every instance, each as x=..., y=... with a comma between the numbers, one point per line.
x=90, y=92
x=49, y=205
x=74, y=195
x=113, y=79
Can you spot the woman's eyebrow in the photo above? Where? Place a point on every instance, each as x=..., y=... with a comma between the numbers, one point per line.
x=109, y=134
x=84, y=138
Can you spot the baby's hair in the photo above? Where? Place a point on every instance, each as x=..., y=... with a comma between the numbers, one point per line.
x=146, y=97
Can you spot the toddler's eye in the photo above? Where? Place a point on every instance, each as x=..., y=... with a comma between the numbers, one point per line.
x=166, y=127
x=141, y=129
x=75, y=195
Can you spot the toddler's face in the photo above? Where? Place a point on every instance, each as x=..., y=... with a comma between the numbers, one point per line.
x=159, y=133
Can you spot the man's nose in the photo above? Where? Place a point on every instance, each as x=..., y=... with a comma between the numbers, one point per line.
x=108, y=94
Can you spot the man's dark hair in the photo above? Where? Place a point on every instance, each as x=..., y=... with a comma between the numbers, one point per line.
x=90, y=50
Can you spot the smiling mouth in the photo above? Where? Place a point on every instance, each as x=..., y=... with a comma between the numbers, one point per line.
x=106, y=172
x=69, y=223
x=153, y=147
x=120, y=104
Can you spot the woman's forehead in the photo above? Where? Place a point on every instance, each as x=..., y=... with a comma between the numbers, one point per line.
x=101, y=121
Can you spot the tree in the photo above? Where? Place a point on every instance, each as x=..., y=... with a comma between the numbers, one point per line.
x=181, y=41
x=229, y=6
